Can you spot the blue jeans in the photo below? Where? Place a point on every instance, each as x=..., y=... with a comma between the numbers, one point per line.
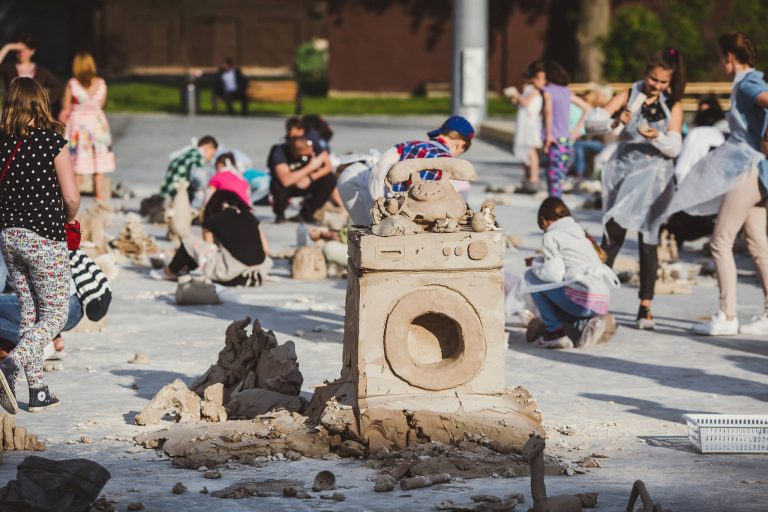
x=10, y=316
x=557, y=310
x=580, y=148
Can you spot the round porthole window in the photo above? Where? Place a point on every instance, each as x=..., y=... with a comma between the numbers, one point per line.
x=434, y=339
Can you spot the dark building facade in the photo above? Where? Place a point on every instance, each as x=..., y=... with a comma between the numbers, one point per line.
x=401, y=45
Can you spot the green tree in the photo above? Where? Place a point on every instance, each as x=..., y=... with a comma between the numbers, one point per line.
x=748, y=16
x=637, y=32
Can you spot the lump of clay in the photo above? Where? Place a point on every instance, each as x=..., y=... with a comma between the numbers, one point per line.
x=308, y=264
x=176, y=396
x=153, y=207
x=395, y=226
x=196, y=291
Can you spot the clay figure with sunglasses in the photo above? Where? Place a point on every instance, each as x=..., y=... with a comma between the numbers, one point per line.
x=426, y=196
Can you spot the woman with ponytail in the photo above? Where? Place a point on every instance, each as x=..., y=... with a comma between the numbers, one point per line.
x=637, y=181
x=731, y=182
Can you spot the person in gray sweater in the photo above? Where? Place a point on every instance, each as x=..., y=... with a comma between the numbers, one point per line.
x=569, y=282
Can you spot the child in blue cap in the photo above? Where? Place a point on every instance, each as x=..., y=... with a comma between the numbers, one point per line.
x=360, y=185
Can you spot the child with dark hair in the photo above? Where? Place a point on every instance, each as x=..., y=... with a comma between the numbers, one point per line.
x=228, y=177
x=569, y=282
x=233, y=250
x=557, y=135
x=731, y=182
x=184, y=164
x=637, y=181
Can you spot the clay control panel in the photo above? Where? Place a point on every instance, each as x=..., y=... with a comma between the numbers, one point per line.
x=429, y=251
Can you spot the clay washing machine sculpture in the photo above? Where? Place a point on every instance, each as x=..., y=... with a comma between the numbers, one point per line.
x=424, y=341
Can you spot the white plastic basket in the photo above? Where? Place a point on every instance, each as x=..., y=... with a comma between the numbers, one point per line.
x=728, y=433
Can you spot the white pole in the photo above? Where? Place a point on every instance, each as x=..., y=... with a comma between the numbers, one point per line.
x=470, y=59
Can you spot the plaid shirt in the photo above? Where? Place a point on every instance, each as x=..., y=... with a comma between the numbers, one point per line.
x=179, y=169
x=421, y=149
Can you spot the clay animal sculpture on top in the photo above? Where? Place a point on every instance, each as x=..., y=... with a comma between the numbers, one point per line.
x=533, y=451
x=427, y=204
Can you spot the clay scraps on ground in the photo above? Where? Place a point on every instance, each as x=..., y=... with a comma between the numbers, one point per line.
x=467, y=459
x=14, y=437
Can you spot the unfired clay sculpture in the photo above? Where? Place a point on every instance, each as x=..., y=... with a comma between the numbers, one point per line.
x=638, y=490
x=485, y=218
x=432, y=205
x=179, y=216
x=534, y=452
x=308, y=264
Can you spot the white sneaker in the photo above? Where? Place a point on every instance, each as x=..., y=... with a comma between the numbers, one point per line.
x=592, y=333
x=756, y=325
x=48, y=351
x=718, y=325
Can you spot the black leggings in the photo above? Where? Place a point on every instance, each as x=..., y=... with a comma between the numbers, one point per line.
x=315, y=196
x=613, y=239
x=182, y=261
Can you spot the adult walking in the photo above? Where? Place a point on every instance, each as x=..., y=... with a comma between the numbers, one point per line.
x=637, y=181
x=731, y=181
x=38, y=194
x=90, y=140
x=25, y=47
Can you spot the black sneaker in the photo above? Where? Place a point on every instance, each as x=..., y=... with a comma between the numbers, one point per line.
x=41, y=399
x=644, y=320
x=8, y=371
x=279, y=218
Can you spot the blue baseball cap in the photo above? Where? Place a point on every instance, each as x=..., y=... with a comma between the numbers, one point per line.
x=456, y=124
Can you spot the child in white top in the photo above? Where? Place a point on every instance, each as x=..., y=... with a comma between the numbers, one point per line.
x=569, y=282
x=528, y=123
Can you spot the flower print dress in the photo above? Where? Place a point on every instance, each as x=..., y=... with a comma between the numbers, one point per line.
x=90, y=140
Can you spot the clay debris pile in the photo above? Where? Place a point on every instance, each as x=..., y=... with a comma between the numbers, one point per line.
x=465, y=459
x=256, y=373
x=252, y=376
x=279, y=436
x=13, y=437
x=134, y=242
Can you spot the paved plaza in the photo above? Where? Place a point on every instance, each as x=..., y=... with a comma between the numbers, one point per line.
x=623, y=400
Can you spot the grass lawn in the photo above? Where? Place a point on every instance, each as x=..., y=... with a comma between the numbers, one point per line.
x=143, y=97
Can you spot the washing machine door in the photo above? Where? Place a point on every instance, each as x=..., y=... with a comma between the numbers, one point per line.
x=434, y=338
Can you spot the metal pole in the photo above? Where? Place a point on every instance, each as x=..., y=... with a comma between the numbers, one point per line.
x=470, y=59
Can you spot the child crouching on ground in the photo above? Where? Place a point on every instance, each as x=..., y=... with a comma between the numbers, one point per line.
x=569, y=283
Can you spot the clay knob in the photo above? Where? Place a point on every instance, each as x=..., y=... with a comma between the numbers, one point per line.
x=477, y=250
x=446, y=251
x=459, y=251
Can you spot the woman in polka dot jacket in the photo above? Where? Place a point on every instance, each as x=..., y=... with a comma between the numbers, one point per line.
x=38, y=195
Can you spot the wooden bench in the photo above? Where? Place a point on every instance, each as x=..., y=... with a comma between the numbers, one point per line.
x=694, y=91
x=277, y=91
